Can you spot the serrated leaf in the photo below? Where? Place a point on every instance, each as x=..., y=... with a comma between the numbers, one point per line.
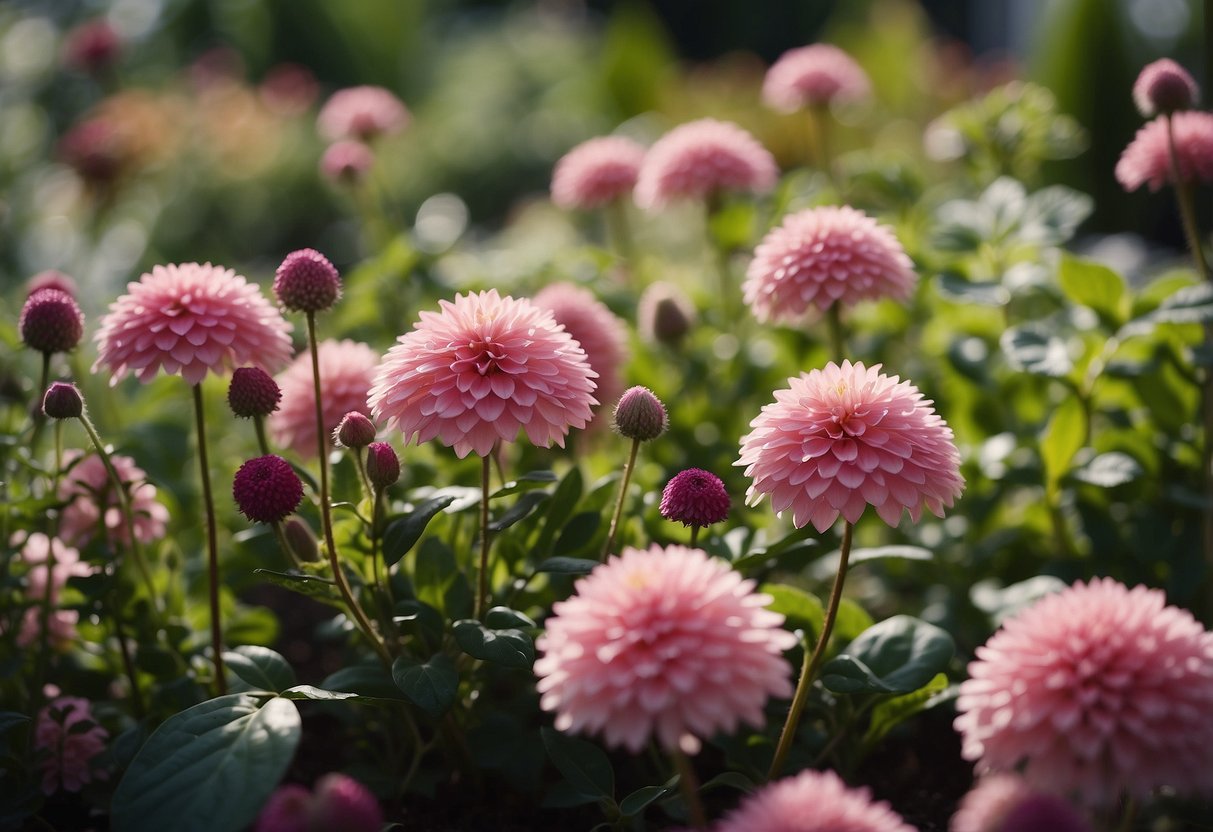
x=890, y=713
x=800, y=609
x=1096, y=286
x=402, y=533
x=257, y=668
x=430, y=685
x=583, y=764
x=313, y=586
x=1063, y=437
x=898, y=655
x=510, y=647
x=1109, y=470
x=567, y=566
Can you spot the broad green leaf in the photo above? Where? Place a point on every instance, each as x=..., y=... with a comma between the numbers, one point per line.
x=1064, y=436
x=567, y=566
x=800, y=609
x=366, y=680
x=209, y=768
x=521, y=509
x=1053, y=214
x=11, y=719
x=891, y=712
x=436, y=571
x=642, y=798
x=578, y=532
x=315, y=694
x=420, y=619
x=527, y=482
x=503, y=618
x=958, y=289
x=313, y=586
x=730, y=780
x=1109, y=470
x=257, y=668
x=898, y=655
x=1002, y=602
x=895, y=551
x=402, y=533
x=559, y=508
x=1189, y=305
x=1032, y=348
x=431, y=685
x=851, y=621
x=1094, y=285
x=583, y=764
x=509, y=647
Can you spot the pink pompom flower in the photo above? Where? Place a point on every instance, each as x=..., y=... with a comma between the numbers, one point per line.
x=596, y=328
x=695, y=497
x=66, y=740
x=701, y=158
x=822, y=256
x=307, y=281
x=347, y=161
x=362, y=113
x=842, y=438
x=1147, y=159
x=51, y=321
x=1093, y=692
x=814, y=76
x=665, y=643
x=347, y=369
x=92, y=46
x=596, y=172
x=812, y=801
x=1164, y=87
x=266, y=489
x=339, y=803
x=1006, y=803
x=479, y=371
x=191, y=320
x=93, y=506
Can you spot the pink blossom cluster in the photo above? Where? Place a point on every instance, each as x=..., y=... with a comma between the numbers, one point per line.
x=45, y=583
x=66, y=740
x=93, y=507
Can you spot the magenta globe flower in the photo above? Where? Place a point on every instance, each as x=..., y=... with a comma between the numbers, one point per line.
x=591, y=324
x=1093, y=692
x=51, y=321
x=1006, y=803
x=596, y=172
x=812, y=801
x=306, y=281
x=363, y=113
x=842, y=438
x=267, y=489
x=814, y=76
x=695, y=497
x=702, y=158
x=1147, y=159
x=347, y=369
x=479, y=371
x=1164, y=87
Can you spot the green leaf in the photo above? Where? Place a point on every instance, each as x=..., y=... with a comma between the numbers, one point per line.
x=851, y=621
x=891, y=712
x=402, y=533
x=1189, y=305
x=567, y=566
x=435, y=573
x=313, y=586
x=209, y=768
x=10, y=720
x=421, y=619
x=510, y=647
x=645, y=796
x=1063, y=437
x=1110, y=470
x=560, y=508
x=527, y=482
x=801, y=609
x=503, y=618
x=730, y=780
x=431, y=685
x=578, y=532
x=1094, y=285
x=1002, y=602
x=370, y=681
x=1032, y=348
x=898, y=655
x=582, y=763
x=521, y=509
x=956, y=288
x=257, y=668
x=315, y=694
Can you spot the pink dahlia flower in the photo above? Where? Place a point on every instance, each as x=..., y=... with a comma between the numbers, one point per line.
x=479, y=371
x=347, y=161
x=1164, y=87
x=1097, y=690
x=90, y=493
x=700, y=158
x=843, y=438
x=596, y=172
x=812, y=801
x=67, y=739
x=346, y=371
x=191, y=319
x=600, y=333
x=823, y=256
x=1147, y=159
x=1005, y=803
x=666, y=643
x=362, y=113
x=43, y=584
x=814, y=76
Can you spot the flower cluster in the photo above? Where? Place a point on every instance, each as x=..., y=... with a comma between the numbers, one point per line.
x=92, y=506
x=68, y=739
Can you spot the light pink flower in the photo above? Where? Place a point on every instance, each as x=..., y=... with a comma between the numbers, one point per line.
x=601, y=334
x=701, y=158
x=662, y=643
x=362, y=113
x=842, y=438
x=1164, y=87
x=814, y=76
x=346, y=161
x=1147, y=159
x=87, y=486
x=479, y=371
x=812, y=801
x=1097, y=690
x=1006, y=803
x=191, y=319
x=823, y=256
x=66, y=748
x=61, y=624
x=596, y=172
x=347, y=369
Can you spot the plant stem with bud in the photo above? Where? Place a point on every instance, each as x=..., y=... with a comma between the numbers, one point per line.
x=623, y=490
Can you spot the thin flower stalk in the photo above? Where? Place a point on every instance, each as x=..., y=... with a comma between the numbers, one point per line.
x=212, y=546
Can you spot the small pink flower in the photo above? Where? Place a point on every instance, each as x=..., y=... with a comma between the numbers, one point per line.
x=842, y=438
x=1164, y=87
x=812, y=801
x=306, y=281
x=266, y=489
x=347, y=161
x=695, y=497
x=639, y=414
x=596, y=172
x=382, y=465
x=354, y=431
x=1147, y=159
x=1005, y=803
x=662, y=643
x=814, y=76
x=43, y=584
x=362, y=113
x=288, y=89
x=823, y=256
x=600, y=333
x=91, y=46
x=62, y=401
x=51, y=321
x=88, y=488
x=51, y=279
x=191, y=319
x=701, y=158
x=66, y=747
x=347, y=369
x=96, y=149
x=1097, y=690
x=288, y=810
x=479, y=371
x=340, y=803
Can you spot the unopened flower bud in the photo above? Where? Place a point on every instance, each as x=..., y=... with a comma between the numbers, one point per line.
x=301, y=539
x=1164, y=87
x=62, y=401
x=307, y=282
x=665, y=315
x=640, y=415
x=382, y=465
x=354, y=431
x=253, y=392
x=51, y=321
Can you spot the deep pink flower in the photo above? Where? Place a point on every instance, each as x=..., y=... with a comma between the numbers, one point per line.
x=596, y=172
x=700, y=158
x=665, y=314
x=639, y=414
x=362, y=113
x=695, y=497
x=266, y=489
x=812, y=801
x=306, y=281
x=1097, y=690
x=340, y=804
x=1006, y=803
x=1147, y=159
x=96, y=149
x=51, y=321
x=42, y=582
x=51, y=279
x=814, y=76
x=288, y=89
x=346, y=371
x=842, y=438
x=479, y=371
x=88, y=488
x=600, y=333
x=252, y=392
x=191, y=319
x=823, y=256
x=382, y=465
x=92, y=46
x=1164, y=87
x=66, y=746
x=346, y=161
x=662, y=643
x=62, y=401
x=287, y=810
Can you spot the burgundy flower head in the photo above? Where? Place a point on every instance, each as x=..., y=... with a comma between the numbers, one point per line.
x=382, y=465
x=92, y=46
x=253, y=392
x=267, y=489
x=63, y=401
x=695, y=497
x=640, y=415
x=665, y=314
x=307, y=282
x=1164, y=87
x=354, y=431
x=51, y=321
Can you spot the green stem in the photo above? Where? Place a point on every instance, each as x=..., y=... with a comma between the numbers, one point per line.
x=262, y=442
x=44, y=634
x=482, y=581
x=620, y=233
x=285, y=545
x=811, y=663
x=129, y=666
x=819, y=117
x=1187, y=212
x=838, y=341
x=688, y=784
x=695, y=535
x=212, y=545
x=623, y=491
x=38, y=416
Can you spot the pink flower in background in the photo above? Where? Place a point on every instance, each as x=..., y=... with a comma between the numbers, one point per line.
x=1164, y=87
x=479, y=371
x=347, y=369
x=65, y=747
x=814, y=76
x=823, y=256
x=191, y=320
x=665, y=314
x=35, y=552
x=362, y=113
x=87, y=485
x=1097, y=690
x=1005, y=803
x=347, y=161
x=287, y=810
x=596, y=172
x=666, y=644
x=92, y=46
x=340, y=804
x=701, y=158
x=51, y=279
x=842, y=438
x=602, y=335
x=1147, y=159
x=812, y=801
x=96, y=149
